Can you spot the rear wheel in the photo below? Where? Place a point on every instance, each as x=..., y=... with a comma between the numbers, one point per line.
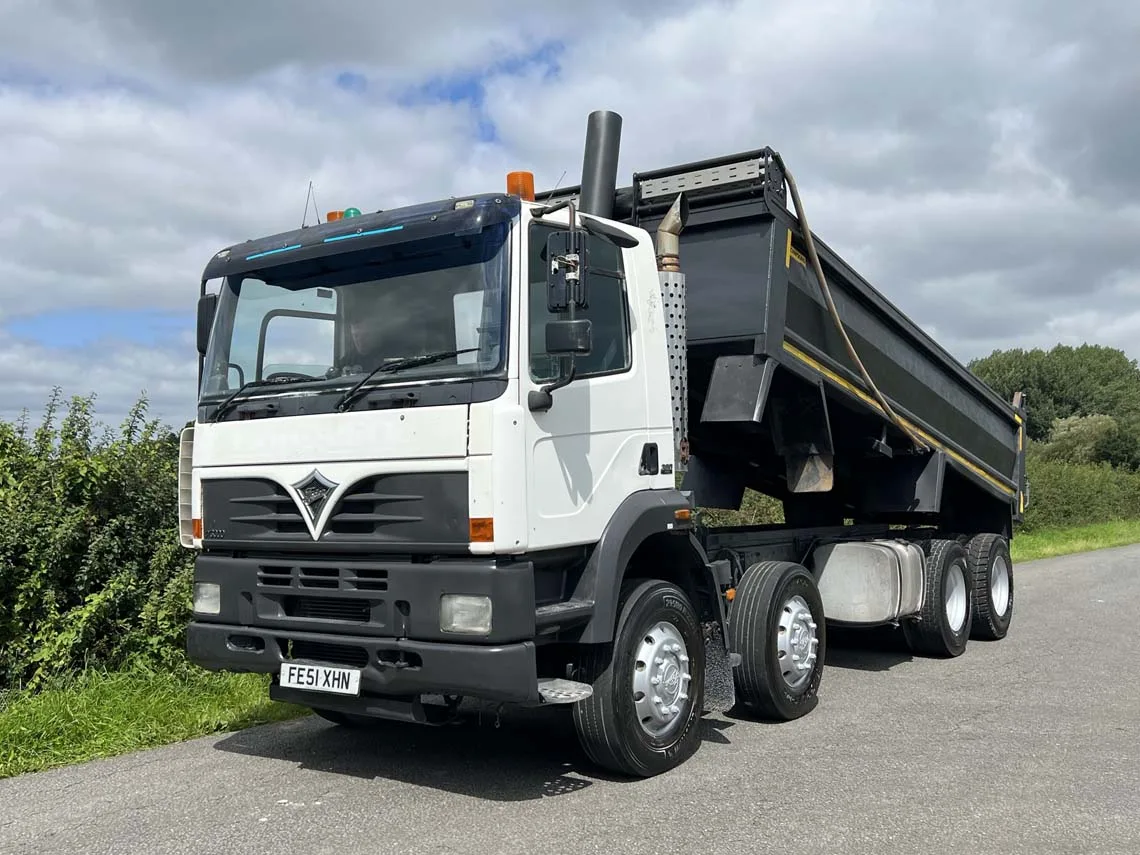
x=643, y=717
x=992, y=569
x=776, y=624
x=943, y=627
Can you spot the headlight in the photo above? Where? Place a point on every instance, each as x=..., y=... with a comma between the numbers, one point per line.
x=465, y=614
x=207, y=598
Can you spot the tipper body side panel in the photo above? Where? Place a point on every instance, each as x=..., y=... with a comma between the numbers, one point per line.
x=763, y=349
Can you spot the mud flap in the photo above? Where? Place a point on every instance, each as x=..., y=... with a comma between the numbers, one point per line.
x=720, y=688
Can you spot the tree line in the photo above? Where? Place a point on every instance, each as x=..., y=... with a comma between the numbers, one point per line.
x=1084, y=402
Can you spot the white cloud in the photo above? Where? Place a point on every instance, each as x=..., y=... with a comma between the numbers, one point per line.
x=118, y=372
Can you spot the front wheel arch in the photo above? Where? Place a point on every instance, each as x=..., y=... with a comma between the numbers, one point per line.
x=642, y=540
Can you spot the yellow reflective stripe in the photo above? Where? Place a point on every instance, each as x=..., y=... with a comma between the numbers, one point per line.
x=866, y=398
x=791, y=252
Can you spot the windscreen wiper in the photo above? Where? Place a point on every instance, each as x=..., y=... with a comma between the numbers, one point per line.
x=225, y=405
x=399, y=365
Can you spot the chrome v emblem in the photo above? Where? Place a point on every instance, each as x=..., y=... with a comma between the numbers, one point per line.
x=314, y=490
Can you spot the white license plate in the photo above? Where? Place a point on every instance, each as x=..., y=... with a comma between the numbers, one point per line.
x=321, y=678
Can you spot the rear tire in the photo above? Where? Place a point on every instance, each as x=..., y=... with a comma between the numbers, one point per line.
x=777, y=625
x=644, y=716
x=943, y=627
x=992, y=569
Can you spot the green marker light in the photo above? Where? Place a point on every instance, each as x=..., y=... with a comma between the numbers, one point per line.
x=351, y=212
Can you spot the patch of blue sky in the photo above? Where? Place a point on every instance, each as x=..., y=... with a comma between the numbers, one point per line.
x=469, y=87
x=77, y=328
x=352, y=81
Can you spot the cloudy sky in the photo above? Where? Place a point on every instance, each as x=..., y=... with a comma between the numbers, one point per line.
x=977, y=161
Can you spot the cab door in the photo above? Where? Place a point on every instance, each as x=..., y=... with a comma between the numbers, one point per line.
x=584, y=453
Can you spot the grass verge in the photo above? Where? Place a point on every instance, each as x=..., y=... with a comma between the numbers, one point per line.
x=102, y=714
x=1049, y=543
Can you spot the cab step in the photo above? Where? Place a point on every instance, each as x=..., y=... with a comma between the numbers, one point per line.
x=558, y=691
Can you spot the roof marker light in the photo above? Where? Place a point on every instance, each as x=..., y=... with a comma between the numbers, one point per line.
x=521, y=184
x=272, y=251
x=351, y=235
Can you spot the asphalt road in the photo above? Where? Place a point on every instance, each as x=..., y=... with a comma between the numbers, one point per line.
x=1027, y=745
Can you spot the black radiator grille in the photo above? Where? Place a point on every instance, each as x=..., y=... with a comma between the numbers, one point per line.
x=335, y=654
x=328, y=608
x=251, y=509
x=392, y=508
x=402, y=507
x=322, y=577
x=371, y=505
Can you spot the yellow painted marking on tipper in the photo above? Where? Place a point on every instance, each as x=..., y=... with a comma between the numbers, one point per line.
x=866, y=398
x=791, y=252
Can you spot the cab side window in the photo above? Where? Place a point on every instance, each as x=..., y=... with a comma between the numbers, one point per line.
x=608, y=310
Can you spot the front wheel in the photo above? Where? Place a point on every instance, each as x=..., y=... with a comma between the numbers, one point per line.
x=643, y=717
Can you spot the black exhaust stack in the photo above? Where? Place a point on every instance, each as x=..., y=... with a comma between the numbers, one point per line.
x=599, y=165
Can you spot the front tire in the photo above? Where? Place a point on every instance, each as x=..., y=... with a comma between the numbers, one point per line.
x=644, y=715
x=777, y=625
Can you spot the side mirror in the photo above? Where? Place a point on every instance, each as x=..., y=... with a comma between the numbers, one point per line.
x=567, y=260
x=610, y=234
x=207, y=306
x=569, y=338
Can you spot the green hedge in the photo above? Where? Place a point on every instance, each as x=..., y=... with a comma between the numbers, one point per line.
x=1063, y=494
x=91, y=572
x=90, y=567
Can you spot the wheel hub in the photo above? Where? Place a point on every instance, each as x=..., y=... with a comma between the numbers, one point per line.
x=999, y=585
x=796, y=642
x=955, y=597
x=661, y=679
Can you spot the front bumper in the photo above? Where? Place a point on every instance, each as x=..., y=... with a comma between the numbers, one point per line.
x=390, y=667
x=379, y=616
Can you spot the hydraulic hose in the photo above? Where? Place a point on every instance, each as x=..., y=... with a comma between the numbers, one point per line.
x=817, y=268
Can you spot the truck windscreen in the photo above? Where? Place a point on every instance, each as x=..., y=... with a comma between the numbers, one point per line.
x=334, y=318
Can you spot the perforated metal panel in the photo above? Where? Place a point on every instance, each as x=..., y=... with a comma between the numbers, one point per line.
x=673, y=304
x=699, y=179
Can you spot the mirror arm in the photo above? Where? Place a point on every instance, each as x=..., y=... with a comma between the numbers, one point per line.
x=543, y=399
